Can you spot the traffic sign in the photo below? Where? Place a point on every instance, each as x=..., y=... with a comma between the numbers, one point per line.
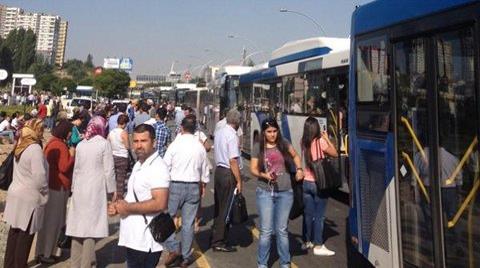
x=3, y=74
x=28, y=81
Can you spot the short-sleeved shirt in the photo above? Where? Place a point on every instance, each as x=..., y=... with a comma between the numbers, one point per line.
x=316, y=154
x=226, y=146
x=274, y=163
x=152, y=174
x=4, y=125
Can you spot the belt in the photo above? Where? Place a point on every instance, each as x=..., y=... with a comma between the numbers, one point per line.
x=186, y=182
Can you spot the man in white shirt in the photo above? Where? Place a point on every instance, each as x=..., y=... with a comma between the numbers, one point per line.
x=227, y=178
x=186, y=160
x=146, y=197
x=5, y=130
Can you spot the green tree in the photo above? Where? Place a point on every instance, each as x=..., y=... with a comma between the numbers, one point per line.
x=27, y=51
x=89, y=62
x=6, y=62
x=87, y=81
x=47, y=82
x=75, y=69
x=112, y=83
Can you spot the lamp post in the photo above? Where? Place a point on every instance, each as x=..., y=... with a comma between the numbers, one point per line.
x=284, y=10
x=232, y=36
x=250, y=55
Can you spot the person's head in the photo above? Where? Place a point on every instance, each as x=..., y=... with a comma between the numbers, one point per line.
x=270, y=135
x=86, y=106
x=3, y=114
x=188, y=111
x=234, y=118
x=161, y=114
x=311, y=131
x=143, y=141
x=33, y=129
x=184, y=107
x=96, y=126
x=77, y=119
x=15, y=115
x=62, y=130
x=27, y=117
x=122, y=120
x=189, y=124
x=271, y=131
x=144, y=107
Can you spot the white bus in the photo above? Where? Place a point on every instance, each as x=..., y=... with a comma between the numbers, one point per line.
x=303, y=78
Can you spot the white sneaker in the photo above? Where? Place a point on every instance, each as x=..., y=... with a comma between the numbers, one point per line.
x=307, y=245
x=322, y=251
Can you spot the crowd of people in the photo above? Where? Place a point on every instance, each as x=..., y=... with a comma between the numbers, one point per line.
x=126, y=161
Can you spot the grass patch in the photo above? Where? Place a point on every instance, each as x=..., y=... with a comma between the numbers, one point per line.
x=10, y=109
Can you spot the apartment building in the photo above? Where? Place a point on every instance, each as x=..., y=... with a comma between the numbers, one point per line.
x=51, y=31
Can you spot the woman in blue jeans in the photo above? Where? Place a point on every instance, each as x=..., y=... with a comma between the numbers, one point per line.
x=273, y=160
x=314, y=146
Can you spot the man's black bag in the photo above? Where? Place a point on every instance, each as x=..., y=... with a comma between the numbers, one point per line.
x=326, y=177
x=237, y=209
x=6, y=172
x=297, y=206
x=161, y=227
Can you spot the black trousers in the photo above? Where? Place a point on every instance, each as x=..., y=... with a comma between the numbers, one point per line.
x=141, y=259
x=224, y=185
x=18, y=247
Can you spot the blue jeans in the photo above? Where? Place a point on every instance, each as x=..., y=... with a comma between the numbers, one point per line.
x=314, y=213
x=141, y=259
x=7, y=133
x=184, y=197
x=273, y=212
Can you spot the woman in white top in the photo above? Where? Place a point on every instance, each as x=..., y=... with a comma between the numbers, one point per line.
x=118, y=139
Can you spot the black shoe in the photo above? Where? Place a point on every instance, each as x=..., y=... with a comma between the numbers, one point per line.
x=173, y=260
x=186, y=262
x=224, y=249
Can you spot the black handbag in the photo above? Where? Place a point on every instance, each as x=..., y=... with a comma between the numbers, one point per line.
x=161, y=227
x=239, y=209
x=6, y=172
x=326, y=177
x=297, y=206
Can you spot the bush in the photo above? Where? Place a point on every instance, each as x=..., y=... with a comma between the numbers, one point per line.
x=10, y=109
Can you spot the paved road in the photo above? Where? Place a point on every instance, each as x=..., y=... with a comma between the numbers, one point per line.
x=245, y=237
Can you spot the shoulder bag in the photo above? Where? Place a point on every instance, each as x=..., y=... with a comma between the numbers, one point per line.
x=161, y=227
x=326, y=177
x=6, y=171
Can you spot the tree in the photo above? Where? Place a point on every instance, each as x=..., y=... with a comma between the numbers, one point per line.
x=75, y=69
x=89, y=62
x=112, y=83
x=27, y=51
x=47, y=82
x=6, y=62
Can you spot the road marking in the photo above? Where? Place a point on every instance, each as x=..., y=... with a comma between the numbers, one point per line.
x=200, y=259
x=256, y=233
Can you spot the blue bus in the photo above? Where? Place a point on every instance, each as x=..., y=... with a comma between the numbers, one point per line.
x=413, y=126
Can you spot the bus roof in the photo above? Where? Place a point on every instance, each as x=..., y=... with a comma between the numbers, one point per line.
x=330, y=60
x=306, y=48
x=234, y=70
x=382, y=13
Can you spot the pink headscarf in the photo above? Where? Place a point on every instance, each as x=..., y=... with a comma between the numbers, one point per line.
x=96, y=126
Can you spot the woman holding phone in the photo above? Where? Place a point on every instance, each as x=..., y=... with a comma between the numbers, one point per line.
x=273, y=161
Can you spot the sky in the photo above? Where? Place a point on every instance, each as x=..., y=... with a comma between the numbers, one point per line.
x=191, y=33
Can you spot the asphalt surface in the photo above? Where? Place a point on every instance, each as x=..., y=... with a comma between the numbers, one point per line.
x=244, y=237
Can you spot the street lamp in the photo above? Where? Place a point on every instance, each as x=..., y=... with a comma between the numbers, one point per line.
x=250, y=55
x=284, y=10
x=232, y=36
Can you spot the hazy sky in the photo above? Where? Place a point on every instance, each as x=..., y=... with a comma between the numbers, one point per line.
x=154, y=33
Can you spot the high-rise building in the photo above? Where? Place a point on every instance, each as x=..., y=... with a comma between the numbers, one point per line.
x=62, y=42
x=50, y=30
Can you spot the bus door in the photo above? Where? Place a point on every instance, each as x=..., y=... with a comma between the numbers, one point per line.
x=437, y=166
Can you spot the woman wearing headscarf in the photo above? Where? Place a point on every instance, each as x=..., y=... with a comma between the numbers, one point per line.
x=60, y=166
x=27, y=194
x=93, y=180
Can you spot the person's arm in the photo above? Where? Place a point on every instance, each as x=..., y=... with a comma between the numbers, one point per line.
x=157, y=203
x=298, y=163
x=39, y=170
x=124, y=137
x=236, y=173
x=109, y=169
x=255, y=170
x=330, y=150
